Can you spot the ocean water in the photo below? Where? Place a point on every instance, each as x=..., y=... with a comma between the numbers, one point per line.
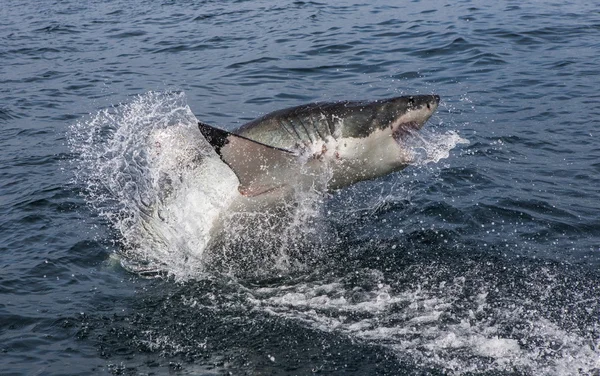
x=480, y=259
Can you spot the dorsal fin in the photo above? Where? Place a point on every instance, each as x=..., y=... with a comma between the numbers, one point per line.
x=260, y=168
x=216, y=137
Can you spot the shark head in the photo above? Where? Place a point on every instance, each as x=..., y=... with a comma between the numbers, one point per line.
x=352, y=140
x=394, y=116
x=370, y=140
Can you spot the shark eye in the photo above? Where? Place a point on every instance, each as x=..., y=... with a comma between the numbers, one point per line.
x=428, y=106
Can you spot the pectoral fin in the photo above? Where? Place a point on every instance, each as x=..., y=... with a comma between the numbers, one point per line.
x=260, y=168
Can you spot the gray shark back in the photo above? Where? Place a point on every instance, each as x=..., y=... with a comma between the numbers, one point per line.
x=299, y=126
x=293, y=127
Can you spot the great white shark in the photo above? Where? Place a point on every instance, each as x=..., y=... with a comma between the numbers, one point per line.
x=292, y=148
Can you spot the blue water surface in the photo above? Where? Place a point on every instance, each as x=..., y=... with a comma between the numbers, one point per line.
x=483, y=263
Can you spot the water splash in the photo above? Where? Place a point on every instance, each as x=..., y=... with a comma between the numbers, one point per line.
x=431, y=146
x=141, y=165
x=147, y=170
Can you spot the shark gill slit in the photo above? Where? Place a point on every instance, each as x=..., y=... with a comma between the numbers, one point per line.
x=282, y=125
x=315, y=127
x=296, y=130
x=330, y=125
x=305, y=129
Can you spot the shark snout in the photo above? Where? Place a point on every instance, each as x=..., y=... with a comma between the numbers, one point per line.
x=419, y=110
x=436, y=101
x=423, y=101
x=433, y=105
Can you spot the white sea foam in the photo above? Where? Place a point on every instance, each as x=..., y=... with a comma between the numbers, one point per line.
x=428, y=326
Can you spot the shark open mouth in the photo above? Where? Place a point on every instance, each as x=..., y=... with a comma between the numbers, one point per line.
x=404, y=130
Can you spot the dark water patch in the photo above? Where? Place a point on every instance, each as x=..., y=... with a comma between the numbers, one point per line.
x=486, y=58
x=34, y=52
x=59, y=29
x=402, y=37
x=128, y=34
x=56, y=199
x=308, y=3
x=83, y=255
x=204, y=46
x=407, y=75
x=67, y=118
x=458, y=45
x=554, y=34
x=46, y=76
x=7, y=114
x=251, y=62
x=77, y=87
x=466, y=176
x=537, y=223
x=512, y=37
x=219, y=14
x=286, y=96
x=21, y=161
x=560, y=64
x=259, y=100
x=117, y=12
x=344, y=69
x=15, y=322
x=331, y=49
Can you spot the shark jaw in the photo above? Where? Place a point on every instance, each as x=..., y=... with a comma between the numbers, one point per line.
x=350, y=141
x=413, y=120
x=381, y=152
